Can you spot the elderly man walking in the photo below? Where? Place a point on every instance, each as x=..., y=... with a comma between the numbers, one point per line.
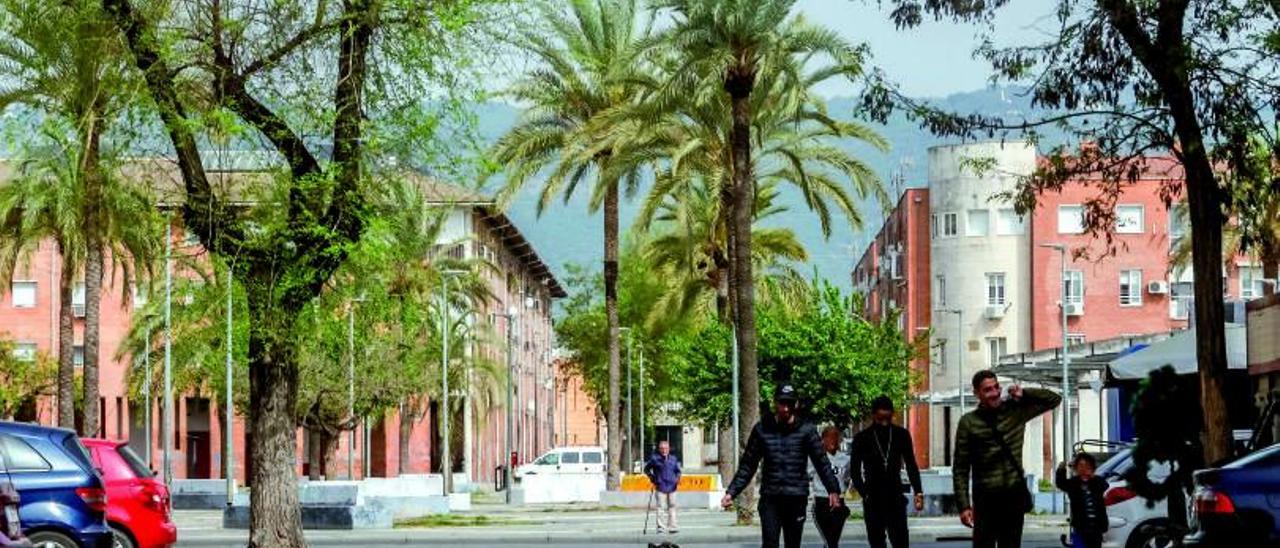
x=663, y=470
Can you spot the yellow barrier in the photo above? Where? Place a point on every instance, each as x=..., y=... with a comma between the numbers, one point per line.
x=688, y=482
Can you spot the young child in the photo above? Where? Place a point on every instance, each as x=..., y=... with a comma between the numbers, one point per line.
x=1088, y=511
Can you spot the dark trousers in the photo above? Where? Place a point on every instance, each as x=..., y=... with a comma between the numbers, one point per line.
x=782, y=515
x=886, y=514
x=1090, y=539
x=830, y=523
x=998, y=518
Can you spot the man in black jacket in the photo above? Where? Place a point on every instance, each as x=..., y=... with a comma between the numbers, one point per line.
x=878, y=454
x=785, y=444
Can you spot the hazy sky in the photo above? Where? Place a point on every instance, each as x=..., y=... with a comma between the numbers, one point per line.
x=935, y=59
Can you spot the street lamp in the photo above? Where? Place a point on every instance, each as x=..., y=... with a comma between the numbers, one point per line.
x=166, y=419
x=1066, y=357
x=626, y=449
x=511, y=315
x=351, y=384
x=230, y=457
x=446, y=458
x=959, y=351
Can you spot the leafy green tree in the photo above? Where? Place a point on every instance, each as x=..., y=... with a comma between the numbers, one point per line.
x=327, y=88
x=1129, y=77
x=588, y=66
x=22, y=380
x=727, y=46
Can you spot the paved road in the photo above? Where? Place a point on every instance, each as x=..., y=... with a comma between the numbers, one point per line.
x=702, y=545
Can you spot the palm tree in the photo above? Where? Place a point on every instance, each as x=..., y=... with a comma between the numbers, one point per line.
x=589, y=67
x=66, y=59
x=727, y=45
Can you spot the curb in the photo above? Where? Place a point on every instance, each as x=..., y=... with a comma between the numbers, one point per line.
x=567, y=538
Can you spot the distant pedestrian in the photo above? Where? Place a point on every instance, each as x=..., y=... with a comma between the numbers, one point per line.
x=663, y=470
x=989, y=450
x=785, y=444
x=1085, y=490
x=880, y=452
x=830, y=519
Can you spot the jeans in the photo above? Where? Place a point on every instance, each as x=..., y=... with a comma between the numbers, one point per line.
x=886, y=513
x=998, y=518
x=830, y=523
x=782, y=515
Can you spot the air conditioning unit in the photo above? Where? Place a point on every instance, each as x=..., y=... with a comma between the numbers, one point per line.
x=995, y=312
x=77, y=310
x=1158, y=287
x=1075, y=309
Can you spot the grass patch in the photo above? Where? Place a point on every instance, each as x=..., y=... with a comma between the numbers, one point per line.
x=455, y=520
x=586, y=509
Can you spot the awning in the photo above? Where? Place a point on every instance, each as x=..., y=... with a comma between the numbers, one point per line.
x=1178, y=351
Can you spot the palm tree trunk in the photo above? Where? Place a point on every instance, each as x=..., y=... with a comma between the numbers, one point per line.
x=93, y=276
x=66, y=342
x=744, y=198
x=407, y=418
x=275, y=516
x=614, y=421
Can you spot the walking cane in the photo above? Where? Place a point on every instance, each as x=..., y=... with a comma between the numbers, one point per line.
x=653, y=496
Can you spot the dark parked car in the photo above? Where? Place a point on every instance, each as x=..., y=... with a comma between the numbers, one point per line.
x=63, y=501
x=1238, y=504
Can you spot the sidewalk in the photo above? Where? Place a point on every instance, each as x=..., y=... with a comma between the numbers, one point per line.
x=578, y=524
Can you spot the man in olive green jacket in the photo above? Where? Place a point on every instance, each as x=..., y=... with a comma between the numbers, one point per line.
x=989, y=449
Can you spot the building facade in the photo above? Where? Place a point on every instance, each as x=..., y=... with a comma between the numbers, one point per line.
x=520, y=284
x=995, y=284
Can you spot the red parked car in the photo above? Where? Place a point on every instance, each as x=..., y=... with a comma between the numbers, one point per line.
x=137, y=503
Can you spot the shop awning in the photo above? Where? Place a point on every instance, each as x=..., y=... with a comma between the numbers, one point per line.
x=1178, y=351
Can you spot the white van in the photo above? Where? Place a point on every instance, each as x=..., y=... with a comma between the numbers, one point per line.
x=565, y=460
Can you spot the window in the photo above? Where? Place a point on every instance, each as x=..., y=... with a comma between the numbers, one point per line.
x=569, y=458
x=940, y=291
x=1131, y=288
x=942, y=357
x=995, y=289
x=950, y=224
x=1070, y=219
x=996, y=347
x=1177, y=223
x=77, y=297
x=979, y=222
x=24, y=294
x=550, y=459
x=592, y=458
x=1180, y=300
x=1251, y=284
x=77, y=355
x=933, y=225
x=1009, y=223
x=1074, y=286
x=24, y=351
x=22, y=457
x=1130, y=219
x=1075, y=340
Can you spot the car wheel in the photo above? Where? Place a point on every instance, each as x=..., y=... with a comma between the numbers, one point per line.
x=50, y=539
x=1155, y=536
x=120, y=538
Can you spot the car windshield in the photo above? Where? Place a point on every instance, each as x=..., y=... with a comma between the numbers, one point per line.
x=135, y=462
x=1117, y=465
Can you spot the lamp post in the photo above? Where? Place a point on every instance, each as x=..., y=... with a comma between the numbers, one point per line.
x=643, y=454
x=351, y=384
x=626, y=431
x=511, y=314
x=229, y=455
x=146, y=393
x=1066, y=357
x=166, y=419
x=446, y=457
x=959, y=351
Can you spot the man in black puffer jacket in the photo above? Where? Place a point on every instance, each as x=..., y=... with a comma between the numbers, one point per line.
x=785, y=444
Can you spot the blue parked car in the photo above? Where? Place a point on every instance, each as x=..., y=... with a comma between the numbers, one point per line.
x=1238, y=504
x=63, y=502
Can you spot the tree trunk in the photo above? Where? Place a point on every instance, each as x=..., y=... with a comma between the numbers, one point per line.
x=611, y=313
x=221, y=417
x=315, y=455
x=66, y=342
x=275, y=517
x=744, y=198
x=93, y=276
x=724, y=451
x=1270, y=265
x=1204, y=202
x=407, y=418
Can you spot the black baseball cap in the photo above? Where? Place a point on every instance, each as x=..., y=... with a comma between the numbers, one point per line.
x=786, y=393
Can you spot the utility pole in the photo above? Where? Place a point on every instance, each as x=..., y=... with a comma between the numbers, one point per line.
x=166, y=420
x=446, y=457
x=146, y=393
x=626, y=430
x=959, y=351
x=643, y=454
x=351, y=387
x=511, y=355
x=1066, y=357
x=229, y=457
